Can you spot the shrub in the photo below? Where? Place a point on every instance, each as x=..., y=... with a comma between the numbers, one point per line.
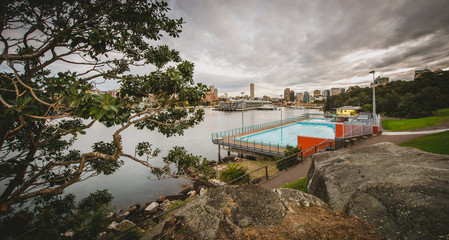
x=291, y=159
x=233, y=171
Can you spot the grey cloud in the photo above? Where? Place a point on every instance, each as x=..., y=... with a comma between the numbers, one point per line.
x=301, y=44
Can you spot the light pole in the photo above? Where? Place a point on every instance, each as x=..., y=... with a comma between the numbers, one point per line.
x=242, y=109
x=281, y=108
x=374, y=99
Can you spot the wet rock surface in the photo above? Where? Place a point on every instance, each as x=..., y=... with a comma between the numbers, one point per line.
x=404, y=191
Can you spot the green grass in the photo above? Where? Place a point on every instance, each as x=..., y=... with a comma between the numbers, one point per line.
x=434, y=143
x=300, y=185
x=442, y=116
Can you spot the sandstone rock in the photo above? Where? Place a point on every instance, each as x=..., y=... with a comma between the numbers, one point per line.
x=257, y=180
x=251, y=212
x=124, y=225
x=123, y=215
x=133, y=208
x=113, y=226
x=192, y=193
x=203, y=191
x=152, y=207
x=404, y=191
x=216, y=182
x=298, y=198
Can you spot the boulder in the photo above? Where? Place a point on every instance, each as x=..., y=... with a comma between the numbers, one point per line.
x=124, y=225
x=192, y=193
x=122, y=216
x=251, y=212
x=404, y=191
x=257, y=180
x=151, y=207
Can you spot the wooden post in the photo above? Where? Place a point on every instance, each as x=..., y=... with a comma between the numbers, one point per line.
x=219, y=158
x=266, y=172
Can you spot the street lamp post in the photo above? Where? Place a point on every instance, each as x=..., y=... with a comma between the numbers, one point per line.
x=281, y=109
x=374, y=99
x=242, y=110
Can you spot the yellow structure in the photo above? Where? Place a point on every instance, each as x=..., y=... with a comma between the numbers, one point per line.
x=348, y=111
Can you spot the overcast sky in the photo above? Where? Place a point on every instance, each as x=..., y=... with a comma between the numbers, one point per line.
x=307, y=45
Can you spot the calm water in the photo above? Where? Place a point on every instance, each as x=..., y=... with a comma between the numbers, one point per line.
x=133, y=183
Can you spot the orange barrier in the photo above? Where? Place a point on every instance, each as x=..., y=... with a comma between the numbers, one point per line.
x=310, y=145
x=339, y=129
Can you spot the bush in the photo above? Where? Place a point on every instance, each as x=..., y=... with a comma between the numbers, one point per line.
x=233, y=171
x=291, y=159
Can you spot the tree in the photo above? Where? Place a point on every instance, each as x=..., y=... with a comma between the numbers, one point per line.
x=43, y=109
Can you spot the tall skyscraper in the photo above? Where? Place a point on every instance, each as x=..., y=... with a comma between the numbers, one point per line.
x=251, y=85
x=287, y=94
x=292, y=96
x=306, y=97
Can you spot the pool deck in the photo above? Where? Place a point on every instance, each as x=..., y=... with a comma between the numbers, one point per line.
x=249, y=147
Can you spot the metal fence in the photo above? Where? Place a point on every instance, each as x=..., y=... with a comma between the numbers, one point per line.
x=226, y=138
x=355, y=130
x=299, y=157
x=237, y=131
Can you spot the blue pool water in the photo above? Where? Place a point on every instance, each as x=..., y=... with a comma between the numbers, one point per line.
x=288, y=134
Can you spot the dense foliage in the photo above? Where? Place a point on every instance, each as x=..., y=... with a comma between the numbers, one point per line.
x=59, y=217
x=407, y=99
x=53, y=55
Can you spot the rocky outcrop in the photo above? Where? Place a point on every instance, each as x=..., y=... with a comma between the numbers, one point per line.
x=404, y=191
x=251, y=212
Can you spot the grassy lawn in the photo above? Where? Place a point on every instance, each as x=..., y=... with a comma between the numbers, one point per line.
x=434, y=143
x=251, y=165
x=300, y=185
x=442, y=116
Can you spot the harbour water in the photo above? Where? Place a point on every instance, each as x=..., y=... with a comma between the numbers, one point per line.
x=133, y=183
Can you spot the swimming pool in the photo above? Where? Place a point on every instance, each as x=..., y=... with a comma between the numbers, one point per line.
x=288, y=134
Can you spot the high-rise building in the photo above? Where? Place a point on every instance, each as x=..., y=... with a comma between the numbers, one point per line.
x=316, y=93
x=306, y=97
x=292, y=96
x=326, y=93
x=287, y=94
x=299, y=97
x=335, y=91
x=251, y=91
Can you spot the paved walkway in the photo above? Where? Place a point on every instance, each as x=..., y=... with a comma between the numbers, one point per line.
x=415, y=133
x=291, y=175
x=300, y=171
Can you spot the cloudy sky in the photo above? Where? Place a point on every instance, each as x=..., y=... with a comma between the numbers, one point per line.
x=307, y=45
